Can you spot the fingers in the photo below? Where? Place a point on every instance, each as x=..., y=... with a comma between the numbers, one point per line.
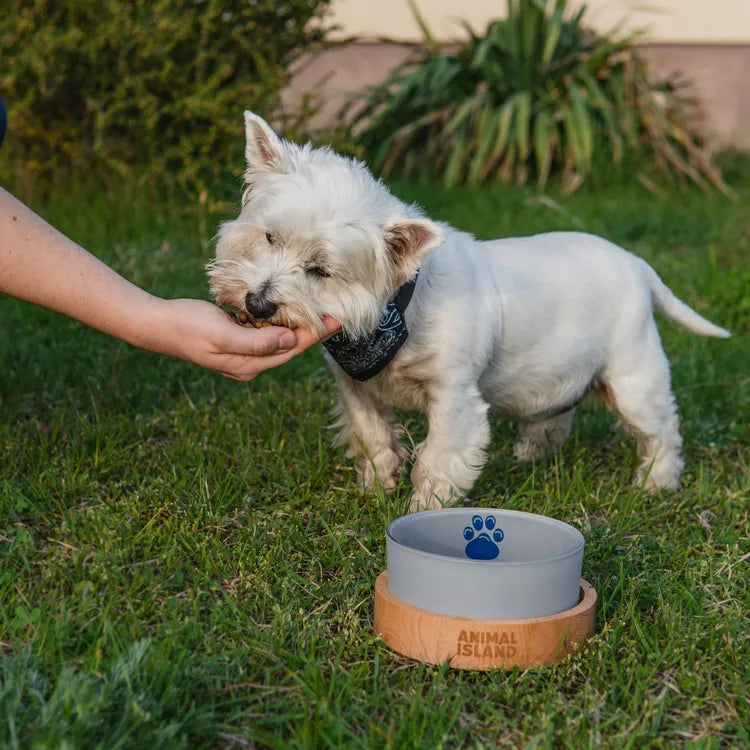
x=265, y=342
x=332, y=325
x=260, y=342
x=307, y=338
x=256, y=350
x=246, y=367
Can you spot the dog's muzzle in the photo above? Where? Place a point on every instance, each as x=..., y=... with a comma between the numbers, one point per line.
x=259, y=307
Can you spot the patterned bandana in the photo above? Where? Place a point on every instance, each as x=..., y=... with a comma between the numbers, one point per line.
x=365, y=357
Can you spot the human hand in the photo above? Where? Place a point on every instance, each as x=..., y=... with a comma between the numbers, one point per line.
x=202, y=333
x=42, y=266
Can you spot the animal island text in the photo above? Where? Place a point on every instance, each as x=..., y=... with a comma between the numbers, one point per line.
x=486, y=644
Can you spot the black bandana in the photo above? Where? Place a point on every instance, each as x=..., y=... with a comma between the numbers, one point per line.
x=365, y=357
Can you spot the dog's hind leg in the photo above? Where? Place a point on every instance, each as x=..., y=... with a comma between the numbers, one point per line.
x=541, y=438
x=365, y=428
x=452, y=456
x=640, y=391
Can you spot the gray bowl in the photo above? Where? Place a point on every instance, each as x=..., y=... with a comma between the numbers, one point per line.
x=484, y=563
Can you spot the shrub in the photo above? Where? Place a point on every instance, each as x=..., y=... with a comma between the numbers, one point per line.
x=537, y=93
x=160, y=84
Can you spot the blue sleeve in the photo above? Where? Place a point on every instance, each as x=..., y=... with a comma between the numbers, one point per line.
x=3, y=120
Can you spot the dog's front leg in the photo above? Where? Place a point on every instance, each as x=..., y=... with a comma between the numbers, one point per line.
x=365, y=427
x=452, y=456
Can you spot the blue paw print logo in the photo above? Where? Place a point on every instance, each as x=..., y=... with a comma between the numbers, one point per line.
x=483, y=538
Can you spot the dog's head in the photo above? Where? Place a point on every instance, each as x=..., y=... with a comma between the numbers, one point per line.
x=317, y=235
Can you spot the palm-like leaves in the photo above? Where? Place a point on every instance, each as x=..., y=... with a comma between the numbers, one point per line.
x=537, y=93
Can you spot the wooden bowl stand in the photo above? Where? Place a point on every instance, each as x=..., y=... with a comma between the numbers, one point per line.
x=482, y=644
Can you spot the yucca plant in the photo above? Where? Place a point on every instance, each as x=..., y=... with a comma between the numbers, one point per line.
x=536, y=94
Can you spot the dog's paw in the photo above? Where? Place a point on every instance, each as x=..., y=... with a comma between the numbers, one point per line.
x=652, y=483
x=433, y=495
x=662, y=473
x=528, y=449
x=383, y=469
x=418, y=502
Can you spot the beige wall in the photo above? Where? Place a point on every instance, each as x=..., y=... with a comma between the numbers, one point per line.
x=680, y=21
x=719, y=75
x=706, y=41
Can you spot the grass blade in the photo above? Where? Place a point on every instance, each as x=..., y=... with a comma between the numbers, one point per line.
x=430, y=42
x=543, y=145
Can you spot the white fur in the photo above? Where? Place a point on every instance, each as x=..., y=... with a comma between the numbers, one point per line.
x=524, y=327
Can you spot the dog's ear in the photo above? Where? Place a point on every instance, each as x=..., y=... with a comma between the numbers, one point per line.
x=263, y=148
x=409, y=240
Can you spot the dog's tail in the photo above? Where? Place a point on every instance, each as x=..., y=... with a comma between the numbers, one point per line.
x=666, y=303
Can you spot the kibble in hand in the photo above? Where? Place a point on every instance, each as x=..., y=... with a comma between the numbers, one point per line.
x=243, y=319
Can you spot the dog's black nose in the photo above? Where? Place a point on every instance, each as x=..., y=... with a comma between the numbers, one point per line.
x=258, y=306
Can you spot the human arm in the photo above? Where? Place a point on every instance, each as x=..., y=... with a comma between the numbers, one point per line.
x=40, y=265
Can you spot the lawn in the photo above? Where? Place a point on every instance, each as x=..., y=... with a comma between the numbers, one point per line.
x=186, y=562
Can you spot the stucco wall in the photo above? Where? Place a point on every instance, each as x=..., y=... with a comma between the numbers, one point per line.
x=720, y=77
x=708, y=42
x=678, y=21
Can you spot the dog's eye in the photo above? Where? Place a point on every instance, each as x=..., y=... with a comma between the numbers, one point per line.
x=321, y=273
x=270, y=239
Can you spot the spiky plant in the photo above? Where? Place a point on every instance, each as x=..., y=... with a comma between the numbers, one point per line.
x=538, y=93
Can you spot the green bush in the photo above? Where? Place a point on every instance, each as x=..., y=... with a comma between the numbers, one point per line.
x=538, y=93
x=159, y=85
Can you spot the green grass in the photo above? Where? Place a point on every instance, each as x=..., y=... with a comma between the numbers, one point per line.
x=184, y=561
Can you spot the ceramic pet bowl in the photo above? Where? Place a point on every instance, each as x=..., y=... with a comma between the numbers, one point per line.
x=483, y=588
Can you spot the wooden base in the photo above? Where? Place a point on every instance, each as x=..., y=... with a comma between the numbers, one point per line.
x=482, y=644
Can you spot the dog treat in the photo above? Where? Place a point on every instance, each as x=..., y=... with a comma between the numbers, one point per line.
x=243, y=319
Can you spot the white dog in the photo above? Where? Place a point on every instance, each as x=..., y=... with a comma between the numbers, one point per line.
x=435, y=320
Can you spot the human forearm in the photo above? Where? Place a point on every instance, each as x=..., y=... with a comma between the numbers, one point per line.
x=40, y=265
